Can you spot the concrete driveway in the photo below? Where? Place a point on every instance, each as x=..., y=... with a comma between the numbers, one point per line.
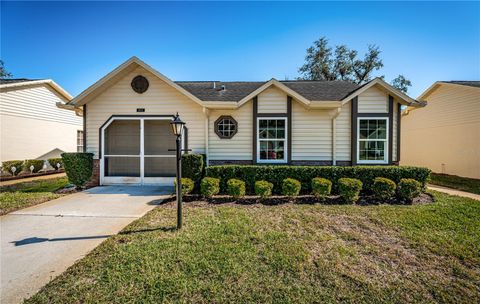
x=40, y=242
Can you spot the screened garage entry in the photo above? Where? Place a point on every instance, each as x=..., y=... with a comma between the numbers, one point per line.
x=137, y=150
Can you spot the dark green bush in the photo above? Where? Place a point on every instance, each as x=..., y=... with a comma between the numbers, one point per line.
x=79, y=167
x=349, y=189
x=305, y=174
x=236, y=188
x=291, y=187
x=263, y=188
x=36, y=163
x=187, y=185
x=383, y=188
x=321, y=187
x=192, y=166
x=209, y=186
x=54, y=161
x=7, y=166
x=408, y=189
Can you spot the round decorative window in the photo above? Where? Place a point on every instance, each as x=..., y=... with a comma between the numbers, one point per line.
x=139, y=84
x=226, y=127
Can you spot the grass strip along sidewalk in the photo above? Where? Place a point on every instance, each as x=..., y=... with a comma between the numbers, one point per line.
x=456, y=182
x=289, y=253
x=27, y=194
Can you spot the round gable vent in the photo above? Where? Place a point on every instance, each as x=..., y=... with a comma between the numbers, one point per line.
x=140, y=84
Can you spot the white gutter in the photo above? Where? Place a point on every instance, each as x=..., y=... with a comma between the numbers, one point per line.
x=207, y=114
x=334, y=136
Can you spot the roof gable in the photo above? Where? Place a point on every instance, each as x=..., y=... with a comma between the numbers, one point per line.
x=435, y=85
x=19, y=84
x=407, y=100
x=128, y=66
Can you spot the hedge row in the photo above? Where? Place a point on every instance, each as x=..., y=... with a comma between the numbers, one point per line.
x=25, y=165
x=305, y=174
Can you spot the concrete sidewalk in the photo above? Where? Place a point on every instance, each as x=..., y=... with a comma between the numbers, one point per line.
x=454, y=192
x=40, y=242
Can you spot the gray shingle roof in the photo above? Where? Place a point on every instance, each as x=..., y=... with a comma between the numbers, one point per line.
x=466, y=83
x=14, y=80
x=236, y=90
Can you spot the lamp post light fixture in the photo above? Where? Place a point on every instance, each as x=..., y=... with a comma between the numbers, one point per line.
x=177, y=128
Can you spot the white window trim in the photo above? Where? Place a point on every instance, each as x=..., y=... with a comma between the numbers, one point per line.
x=142, y=180
x=387, y=140
x=276, y=161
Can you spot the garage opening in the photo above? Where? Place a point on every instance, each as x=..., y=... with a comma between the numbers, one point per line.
x=138, y=150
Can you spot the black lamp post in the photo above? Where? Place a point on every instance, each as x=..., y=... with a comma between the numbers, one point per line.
x=177, y=128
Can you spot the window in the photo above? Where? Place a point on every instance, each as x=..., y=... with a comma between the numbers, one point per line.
x=80, y=141
x=373, y=140
x=226, y=127
x=272, y=140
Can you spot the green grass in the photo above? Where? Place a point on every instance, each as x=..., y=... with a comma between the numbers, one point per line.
x=456, y=182
x=27, y=194
x=285, y=254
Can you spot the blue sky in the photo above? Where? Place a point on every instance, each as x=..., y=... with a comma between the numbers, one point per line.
x=76, y=43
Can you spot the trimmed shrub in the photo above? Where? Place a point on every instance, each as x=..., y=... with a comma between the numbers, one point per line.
x=291, y=187
x=408, y=189
x=349, y=189
x=54, y=161
x=192, y=166
x=36, y=163
x=187, y=185
x=79, y=167
x=383, y=188
x=7, y=166
x=276, y=174
x=209, y=186
x=263, y=189
x=236, y=188
x=321, y=187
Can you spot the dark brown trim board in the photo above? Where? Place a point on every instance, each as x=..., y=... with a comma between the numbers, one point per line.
x=254, y=132
x=390, y=130
x=399, y=130
x=289, y=129
x=84, y=128
x=353, y=135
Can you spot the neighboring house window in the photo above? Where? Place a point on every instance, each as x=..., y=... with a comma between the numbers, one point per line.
x=373, y=140
x=226, y=127
x=272, y=140
x=80, y=141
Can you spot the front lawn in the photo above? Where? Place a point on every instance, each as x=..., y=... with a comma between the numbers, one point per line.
x=26, y=194
x=456, y=182
x=287, y=253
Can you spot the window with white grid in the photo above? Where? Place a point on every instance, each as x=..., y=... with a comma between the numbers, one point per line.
x=226, y=127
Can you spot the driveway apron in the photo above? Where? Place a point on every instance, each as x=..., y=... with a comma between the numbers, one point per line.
x=40, y=242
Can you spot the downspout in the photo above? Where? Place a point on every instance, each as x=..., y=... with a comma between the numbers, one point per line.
x=206, y=112
x=334, y=136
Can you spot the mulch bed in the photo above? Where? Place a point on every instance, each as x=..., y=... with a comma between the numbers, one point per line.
x=424, y=198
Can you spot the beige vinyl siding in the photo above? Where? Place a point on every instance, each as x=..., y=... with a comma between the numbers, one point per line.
x=344, y=131
x=37, y=102
x=159, y=99
x=29, y=138
x=311, y=133
x=272, y=100
x=445, y=135
x=239, y=147
x=373, y=100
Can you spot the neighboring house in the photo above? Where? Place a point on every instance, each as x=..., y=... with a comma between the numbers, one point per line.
x=445, y=135
x=32, y=126
x=127, y=116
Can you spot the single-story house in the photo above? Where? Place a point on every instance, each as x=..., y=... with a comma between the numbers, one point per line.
x=445, y=136
x=32, y=126
x=127, y=116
